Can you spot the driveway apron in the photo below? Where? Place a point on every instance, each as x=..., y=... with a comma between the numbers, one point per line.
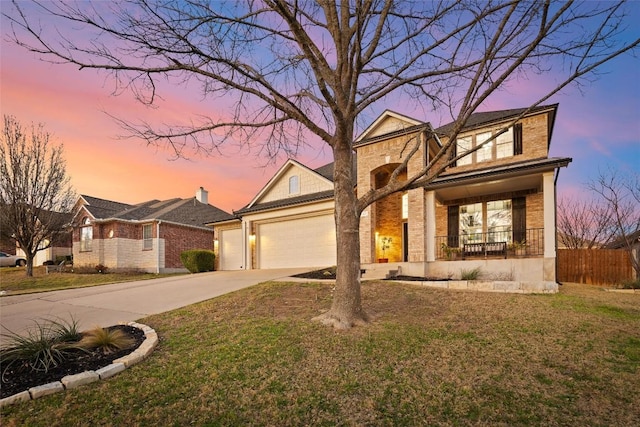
x=108, y=305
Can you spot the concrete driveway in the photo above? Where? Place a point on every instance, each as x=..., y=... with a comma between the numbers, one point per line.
x=108, y=305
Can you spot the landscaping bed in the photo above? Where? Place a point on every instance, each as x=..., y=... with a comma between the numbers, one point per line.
x=20, y=377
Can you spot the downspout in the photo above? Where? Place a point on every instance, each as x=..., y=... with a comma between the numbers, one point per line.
x=158, y=247
x=555, y=214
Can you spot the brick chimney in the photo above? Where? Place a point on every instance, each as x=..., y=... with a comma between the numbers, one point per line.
x=202, y=196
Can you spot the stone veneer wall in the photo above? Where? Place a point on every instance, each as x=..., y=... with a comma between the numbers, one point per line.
x=378, y=217
x=119, y=245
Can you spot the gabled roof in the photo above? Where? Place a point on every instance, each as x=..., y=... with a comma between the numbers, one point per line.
x=324, y=172
x=486, y=118
x=101, y=208
x=386, y=115
x=180, y=211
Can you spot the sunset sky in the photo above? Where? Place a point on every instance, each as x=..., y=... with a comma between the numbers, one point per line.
x=598, y=128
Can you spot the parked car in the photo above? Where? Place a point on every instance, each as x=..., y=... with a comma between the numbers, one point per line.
x=7, y=260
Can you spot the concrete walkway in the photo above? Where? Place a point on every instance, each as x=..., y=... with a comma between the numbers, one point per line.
x=108, y=305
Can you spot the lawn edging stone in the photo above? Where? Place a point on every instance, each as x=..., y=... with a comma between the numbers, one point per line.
x=71, y=381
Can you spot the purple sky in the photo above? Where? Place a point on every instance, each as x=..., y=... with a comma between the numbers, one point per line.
x=598, y=128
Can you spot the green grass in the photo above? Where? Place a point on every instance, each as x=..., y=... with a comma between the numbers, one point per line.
x=14, y=280
x=429, y=357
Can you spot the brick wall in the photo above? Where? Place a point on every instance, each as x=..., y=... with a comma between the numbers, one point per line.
x=535, y=143
x=179, y=239
x=384, y=218
x=119, y=245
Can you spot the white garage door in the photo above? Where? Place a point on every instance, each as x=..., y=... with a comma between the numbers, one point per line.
x=231, y=249
x=305, y=242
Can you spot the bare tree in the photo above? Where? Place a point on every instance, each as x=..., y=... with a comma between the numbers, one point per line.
x=299, y=70
x=34, y=189
x=584, y=224
x=620, y=192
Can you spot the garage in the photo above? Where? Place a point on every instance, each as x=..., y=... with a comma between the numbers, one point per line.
x=303, y=242
x=230, y=249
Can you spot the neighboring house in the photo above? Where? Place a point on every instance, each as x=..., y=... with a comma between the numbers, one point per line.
x=494, y=200
x=620, y=243
x=60, y=248
x=148, y=236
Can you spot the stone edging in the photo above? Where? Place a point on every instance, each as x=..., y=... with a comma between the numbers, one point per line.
x=72, y=381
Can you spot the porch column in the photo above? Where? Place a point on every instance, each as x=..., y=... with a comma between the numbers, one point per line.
x=549, y=216
x=549, y=197
x=367, y=246
x=430, y=226
x=247, y=242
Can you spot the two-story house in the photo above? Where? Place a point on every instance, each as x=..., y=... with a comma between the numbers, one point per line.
x=494, y=209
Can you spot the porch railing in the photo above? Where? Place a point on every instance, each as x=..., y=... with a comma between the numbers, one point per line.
x=530, y=243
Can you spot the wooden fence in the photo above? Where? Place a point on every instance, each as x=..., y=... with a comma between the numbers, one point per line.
x=594, y=266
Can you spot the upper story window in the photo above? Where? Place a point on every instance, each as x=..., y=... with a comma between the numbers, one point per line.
x=507, y=144
x=294, y=184
x=504, y=144
x=86, y=235
x=463, y=145
x=147, y=236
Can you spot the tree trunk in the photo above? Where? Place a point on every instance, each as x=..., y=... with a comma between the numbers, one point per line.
x=29, y=267
x=346, y=310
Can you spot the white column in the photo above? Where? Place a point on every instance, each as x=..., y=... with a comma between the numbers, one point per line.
x=549, y=215
x=430, y=218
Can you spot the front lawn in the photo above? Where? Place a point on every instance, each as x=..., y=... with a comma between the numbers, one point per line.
x=14, y=281
x=429, y=357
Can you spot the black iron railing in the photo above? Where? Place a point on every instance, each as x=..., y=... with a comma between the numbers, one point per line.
x=491, y=244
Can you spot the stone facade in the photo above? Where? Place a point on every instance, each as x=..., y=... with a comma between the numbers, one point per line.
x=119, y=246
x=415, y=237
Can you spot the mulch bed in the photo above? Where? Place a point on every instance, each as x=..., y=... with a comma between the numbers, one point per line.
x=330, y=273
x=18, y=378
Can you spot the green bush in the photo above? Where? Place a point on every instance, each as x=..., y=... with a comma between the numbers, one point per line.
x=198, y=260
x=470, y=274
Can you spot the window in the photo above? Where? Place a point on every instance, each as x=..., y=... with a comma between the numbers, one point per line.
x=507, y=144
x=471, y=222
x=499, y=221
x=504, y=144
x=147, y=236
x=405, y=206
x=294, y=185
x=86, y=235
x=464, y=145
x=493, y=218
x=486, y=151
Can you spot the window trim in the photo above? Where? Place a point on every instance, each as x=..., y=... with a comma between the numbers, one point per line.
x=515, y=142
x=294, y=184
x=147, y=242
x=86, y=235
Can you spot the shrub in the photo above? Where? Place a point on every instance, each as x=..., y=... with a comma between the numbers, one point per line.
x=43, y=347
x=106, y=340
x=630, y=284
x=197, y=260
x=470, y=274
x=101, y=268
